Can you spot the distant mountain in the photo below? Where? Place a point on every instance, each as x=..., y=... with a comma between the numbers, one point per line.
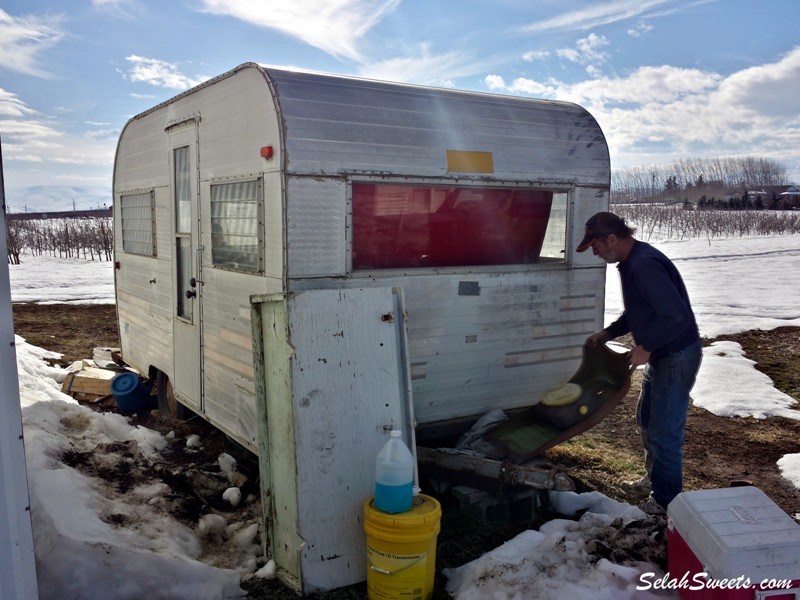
x=48, y=198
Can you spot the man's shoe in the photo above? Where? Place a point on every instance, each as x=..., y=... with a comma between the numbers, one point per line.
x=640, y=487
x=651, y=507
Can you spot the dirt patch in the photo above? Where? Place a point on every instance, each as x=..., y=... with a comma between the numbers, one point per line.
x=73, y=330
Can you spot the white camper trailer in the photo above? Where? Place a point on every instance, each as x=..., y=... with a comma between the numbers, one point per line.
x=309, y=260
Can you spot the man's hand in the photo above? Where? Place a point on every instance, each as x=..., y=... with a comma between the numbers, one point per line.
x=639, y=356
x=596, y=339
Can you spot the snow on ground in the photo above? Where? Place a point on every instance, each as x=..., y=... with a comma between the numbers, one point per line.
x=47, y=279
x=735, y=285
x=82, y=551
x=747, y=392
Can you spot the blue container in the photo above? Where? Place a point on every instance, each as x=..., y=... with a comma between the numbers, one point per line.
x=129, y=392
x=394, y=476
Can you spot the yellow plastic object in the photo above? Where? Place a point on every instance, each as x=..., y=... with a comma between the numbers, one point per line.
x=401, y=550
x=561, y=394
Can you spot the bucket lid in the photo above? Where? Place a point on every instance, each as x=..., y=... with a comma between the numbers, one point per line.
x=124, y=383
x=425, y=512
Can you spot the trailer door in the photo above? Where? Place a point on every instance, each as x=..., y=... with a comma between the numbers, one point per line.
x=187, y=357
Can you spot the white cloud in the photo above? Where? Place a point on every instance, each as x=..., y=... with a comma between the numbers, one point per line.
x=31, y=141
x=27, y=135
x=535, y=55
x=646, y=85
x=523, y=85
x=143, y=96
x=12, y=106
x=30, y=138
x=160, y=73
x=495, y=82
x=655, y=112
x=24, y=39
x=425, y=68
x=124, y=9
x=587, y=50
x=597, y=14
x=772, y=88
x=103, y=134
x=334, y=26
x=640, y=29
x=35, y=142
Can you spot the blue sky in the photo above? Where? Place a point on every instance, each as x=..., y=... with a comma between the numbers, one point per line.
x=666, y=79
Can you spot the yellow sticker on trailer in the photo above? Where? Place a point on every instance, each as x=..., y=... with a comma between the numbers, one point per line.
x=467, y=161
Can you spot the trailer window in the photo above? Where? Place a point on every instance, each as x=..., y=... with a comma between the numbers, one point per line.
x=404, y=226
x=236, y=226
x=138, y=223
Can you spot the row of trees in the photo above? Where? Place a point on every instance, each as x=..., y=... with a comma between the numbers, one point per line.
x=89, y=238
x=693, y=178
x=670, y=222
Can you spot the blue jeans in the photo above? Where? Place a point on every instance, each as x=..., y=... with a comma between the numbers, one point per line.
x=661, y=415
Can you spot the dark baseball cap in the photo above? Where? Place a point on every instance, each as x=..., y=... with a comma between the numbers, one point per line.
x=602, y=225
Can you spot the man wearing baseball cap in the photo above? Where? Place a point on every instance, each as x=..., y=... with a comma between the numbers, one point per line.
x=658, y=314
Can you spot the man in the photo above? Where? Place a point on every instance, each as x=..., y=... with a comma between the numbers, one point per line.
x=659, y=316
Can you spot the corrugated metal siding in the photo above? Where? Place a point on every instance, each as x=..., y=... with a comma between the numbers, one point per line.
x=227, y=352
x=469, y=354
x=335, y=125
x=315, y=227
x=144, y=307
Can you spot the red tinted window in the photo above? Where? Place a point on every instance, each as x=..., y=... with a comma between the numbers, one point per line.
x=405, y=226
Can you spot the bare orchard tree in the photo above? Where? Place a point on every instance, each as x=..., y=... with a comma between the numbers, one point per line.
x=13, y=241
x=658, y=221
x=87, y=238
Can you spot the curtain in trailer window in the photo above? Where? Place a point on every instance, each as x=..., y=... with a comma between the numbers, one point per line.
x=183, y=191
x=405, y=226
x=236, y=240
x=138, y=224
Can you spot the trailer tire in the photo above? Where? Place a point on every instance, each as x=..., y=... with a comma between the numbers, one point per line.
x=168, y=406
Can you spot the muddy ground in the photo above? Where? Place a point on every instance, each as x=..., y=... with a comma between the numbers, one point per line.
x=719, y=451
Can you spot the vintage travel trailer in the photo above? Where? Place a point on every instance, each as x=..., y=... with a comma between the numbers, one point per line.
x=308, y=261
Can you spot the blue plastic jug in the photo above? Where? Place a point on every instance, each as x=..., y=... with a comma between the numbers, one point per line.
x=394, y=476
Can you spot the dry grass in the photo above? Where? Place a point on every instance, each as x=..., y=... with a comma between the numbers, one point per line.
x=72, y=330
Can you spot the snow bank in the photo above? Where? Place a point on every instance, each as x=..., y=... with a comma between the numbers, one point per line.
x=92, y=541
x=729, y=385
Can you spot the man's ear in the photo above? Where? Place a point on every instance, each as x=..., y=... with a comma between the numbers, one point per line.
x=612, y=239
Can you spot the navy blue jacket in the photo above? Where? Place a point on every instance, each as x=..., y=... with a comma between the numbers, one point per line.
x=657, y=308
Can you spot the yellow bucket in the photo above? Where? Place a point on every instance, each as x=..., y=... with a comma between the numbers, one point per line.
x=401, y=550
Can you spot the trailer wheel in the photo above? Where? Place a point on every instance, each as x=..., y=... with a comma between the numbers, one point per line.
x=168, y=406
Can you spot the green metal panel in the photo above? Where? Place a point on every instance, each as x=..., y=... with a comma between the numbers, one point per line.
x=277, y=462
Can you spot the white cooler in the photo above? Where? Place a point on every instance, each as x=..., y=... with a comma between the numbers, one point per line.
x=748, y=547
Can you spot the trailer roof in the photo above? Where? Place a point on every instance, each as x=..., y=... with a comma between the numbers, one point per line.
x=336, y=124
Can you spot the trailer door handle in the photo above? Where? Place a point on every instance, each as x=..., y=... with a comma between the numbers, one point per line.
x=191, y=294
x=193, y=282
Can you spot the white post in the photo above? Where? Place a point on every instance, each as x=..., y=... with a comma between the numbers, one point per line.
x=18, y=573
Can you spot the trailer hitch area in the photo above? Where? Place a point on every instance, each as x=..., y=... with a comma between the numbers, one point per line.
x=550, y=477
x=458, y=468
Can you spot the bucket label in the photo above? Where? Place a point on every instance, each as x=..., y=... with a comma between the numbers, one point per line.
x=396, y=576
